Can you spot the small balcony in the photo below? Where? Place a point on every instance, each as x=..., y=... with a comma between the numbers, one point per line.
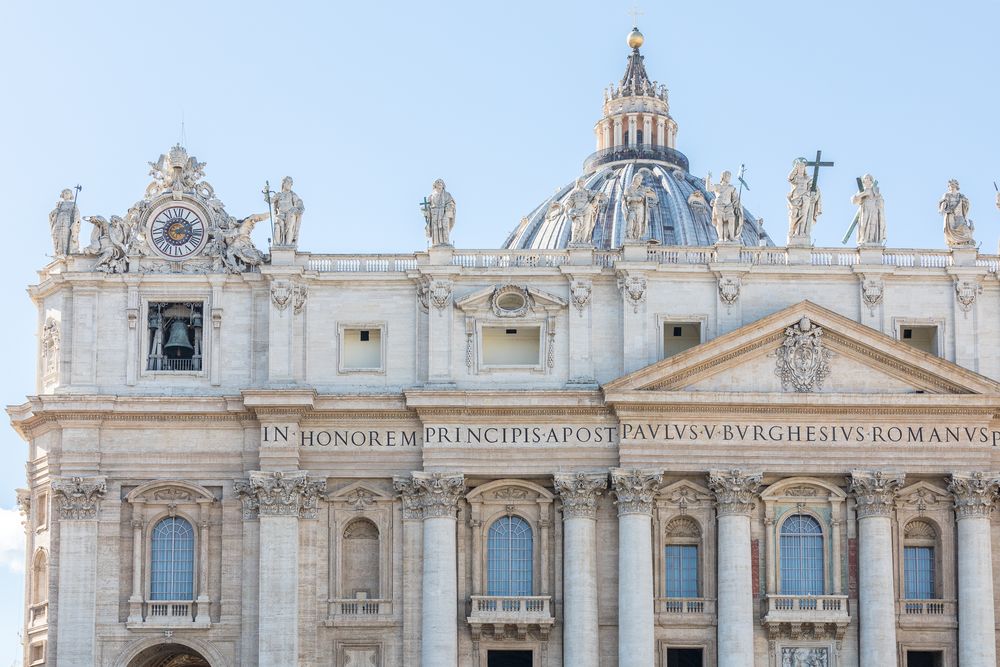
x=171, y=614
x=492, y=613
x=793, y=615
x=360, y=611
x=685, y=611
x=935, y=613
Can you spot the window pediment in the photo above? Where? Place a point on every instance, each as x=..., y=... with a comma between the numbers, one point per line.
x=510, y=301
x=170, y=492
x=803, y=490
x=923, y=496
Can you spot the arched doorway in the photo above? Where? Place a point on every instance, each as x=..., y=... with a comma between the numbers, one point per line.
x=169, y=655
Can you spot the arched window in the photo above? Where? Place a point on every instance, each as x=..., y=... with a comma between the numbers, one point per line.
x=801, y=556
x=682, y=538
x=360, y=560
x=509, y=557
x=39, y=578
x=172, y=563
x=919, y=542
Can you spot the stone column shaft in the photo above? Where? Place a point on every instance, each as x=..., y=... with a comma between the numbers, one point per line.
x=875, y=493
x=974, y=498
x=635, y=491
x=579, y=493
x=736, y=493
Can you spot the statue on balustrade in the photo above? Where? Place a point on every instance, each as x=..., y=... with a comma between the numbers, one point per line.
x=871, y=212
x=109, y=241
x=64, y=223
x=727, y=211
x=439, y=213
x=638, y=202
x=288, y=210
x=958, y=227
x=805, y=203
x=582, y=207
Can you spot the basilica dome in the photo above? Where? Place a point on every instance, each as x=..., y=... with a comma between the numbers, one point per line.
x=636, y=135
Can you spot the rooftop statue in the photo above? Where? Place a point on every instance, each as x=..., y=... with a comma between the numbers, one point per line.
x=439, y=212
x=805, y=204
x=109, y=241
x=871, y=212
x=582, y=206
x=727, y=213
x=288, y=210
x=231, y=245
x=64, y=223
x=958, y=228
x=636, y=202
x=175, y=171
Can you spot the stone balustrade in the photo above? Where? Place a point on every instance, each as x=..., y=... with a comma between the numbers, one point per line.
x=360, y=607
x=169, y=614
x=821, y=611
x=512, y=608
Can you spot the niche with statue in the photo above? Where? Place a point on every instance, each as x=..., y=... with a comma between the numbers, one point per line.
x=175, y=331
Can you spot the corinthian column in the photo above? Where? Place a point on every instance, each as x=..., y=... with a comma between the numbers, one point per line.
x=77, y=502
x=439, y=494
x=279, y=499
x=635, y=490
x=579, y=492
x=975, y=495
x=735, y=493
x=875, y=493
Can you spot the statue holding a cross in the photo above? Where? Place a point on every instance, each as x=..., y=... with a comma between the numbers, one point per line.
x=439, y=213
x=805, y=204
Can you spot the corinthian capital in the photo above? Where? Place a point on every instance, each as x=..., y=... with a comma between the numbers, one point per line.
x=635, y=489
x=974, y=493
x=579, y=492
x=875, y=491
x=280, y=494
x=735, y=490
x=439, y=492
x=410, y=495
x=78, y=497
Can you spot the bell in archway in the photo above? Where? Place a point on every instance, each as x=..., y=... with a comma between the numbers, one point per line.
x=178, y=344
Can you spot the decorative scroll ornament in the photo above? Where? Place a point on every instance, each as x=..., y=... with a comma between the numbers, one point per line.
x=175, y=171
x=635, y=489
x=440, y=293
x=360, y=499
x=439, y=493
x=423, y=293
x=875, y=491
x=729, y=290
x=974, y=494
x=735, y=491
x=871, y=292
x=579, y=492
x=299, y=295
x=634, y=289
x=281, y=293
x=280, y=494
x=410, y=495
x=803, y=362
x=24, y=503
x=78, y=497
x=966, y=292
x=511, y=301
x=580, y=292
x=50, y=346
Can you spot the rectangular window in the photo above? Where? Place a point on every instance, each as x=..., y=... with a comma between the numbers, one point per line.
x=922, y=337
x=684, y=657
x=42, y=512
x=918, y=571
x=680, y=336
x=175, y=336
x=361, y=349
x=924, y=659
x=507, y=346
x=682, y=571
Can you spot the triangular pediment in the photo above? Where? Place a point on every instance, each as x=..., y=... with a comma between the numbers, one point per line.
x=861, y=360
x=510, y=300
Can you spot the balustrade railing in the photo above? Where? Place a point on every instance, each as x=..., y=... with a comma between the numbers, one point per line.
x=805, y=608
x=925, y=259
x=492, y=259
x=361, y=263
x=360, y=607
x=932, y=607
x=170, y=611
x=512, y=607
x=680, y=255
x=685, y=605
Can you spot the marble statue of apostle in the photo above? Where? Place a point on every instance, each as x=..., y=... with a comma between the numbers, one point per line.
x=582, y=206
x=637, y=202
x=109, y=243
x=288, y=210
x=804, y=203
x=64, y=223
x=871, y=212
x=439, y=214
x=958, y=228
x=727, y=212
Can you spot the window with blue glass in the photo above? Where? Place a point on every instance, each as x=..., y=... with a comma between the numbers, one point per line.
x=682, y=571
x=508, y=559
x=172, y=560
x=801, y=559
x=918, y=570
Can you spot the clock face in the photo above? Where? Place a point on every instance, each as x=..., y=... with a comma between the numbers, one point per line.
x=177, y=232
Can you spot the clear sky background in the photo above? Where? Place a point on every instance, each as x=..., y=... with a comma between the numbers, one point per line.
x=365, y=104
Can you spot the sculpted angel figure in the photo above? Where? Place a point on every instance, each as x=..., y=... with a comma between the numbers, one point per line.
x=109, y=242
x=804, y=203
x=727, y=212
x=64, y=224
x=288, y=210
x=958, y=228
x=582, y=207
x=439, y=214
x=232, y=246
x=637, y=202
x=871, y=212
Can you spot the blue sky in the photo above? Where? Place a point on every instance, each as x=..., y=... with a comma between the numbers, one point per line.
x=365, y=104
